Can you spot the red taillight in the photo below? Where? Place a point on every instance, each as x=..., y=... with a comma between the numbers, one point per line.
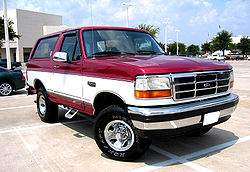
x=22, y=76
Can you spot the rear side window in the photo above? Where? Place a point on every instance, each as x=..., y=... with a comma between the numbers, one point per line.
x=45, y=47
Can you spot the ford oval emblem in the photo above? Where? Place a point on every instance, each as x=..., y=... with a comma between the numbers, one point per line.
x=206, y=85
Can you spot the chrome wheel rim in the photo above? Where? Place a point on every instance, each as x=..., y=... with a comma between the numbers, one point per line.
x=42, y=105
x=119, y=135
x=5, y=89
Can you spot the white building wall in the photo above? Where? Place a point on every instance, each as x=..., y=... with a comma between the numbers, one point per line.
x=236, y=39
x=52, y=29
x=29, y=25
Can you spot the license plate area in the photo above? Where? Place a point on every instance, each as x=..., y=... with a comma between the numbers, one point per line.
x=211, y=118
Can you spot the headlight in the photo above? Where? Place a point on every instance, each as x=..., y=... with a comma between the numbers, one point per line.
x=231, y=79
x=152, y=87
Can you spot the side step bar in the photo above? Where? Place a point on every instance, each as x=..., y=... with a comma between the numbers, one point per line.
x=71, y=113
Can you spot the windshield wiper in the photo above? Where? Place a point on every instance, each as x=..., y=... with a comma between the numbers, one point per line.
x=112, y=53
x=106, y=53
x=128, y=53
x=146, y=52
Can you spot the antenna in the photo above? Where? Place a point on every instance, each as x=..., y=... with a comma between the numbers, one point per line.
x=92, y=30
x=91, y=12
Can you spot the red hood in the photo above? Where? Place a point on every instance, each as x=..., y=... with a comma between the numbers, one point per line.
x=169, y=64
x=132, y=65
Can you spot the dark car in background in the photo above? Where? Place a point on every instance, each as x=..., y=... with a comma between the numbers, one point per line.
x=11, y=80
x=237, y=58
x=3, y=63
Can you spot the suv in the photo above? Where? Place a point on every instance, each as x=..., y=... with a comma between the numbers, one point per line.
x=124, y=81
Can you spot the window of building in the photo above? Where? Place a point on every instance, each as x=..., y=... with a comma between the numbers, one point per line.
x=26, y=57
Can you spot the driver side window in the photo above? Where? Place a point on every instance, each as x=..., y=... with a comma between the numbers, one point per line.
x=143, y=44
x=71, y=47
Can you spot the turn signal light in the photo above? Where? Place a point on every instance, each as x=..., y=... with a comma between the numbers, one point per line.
x=153, y=94
x=231, y=84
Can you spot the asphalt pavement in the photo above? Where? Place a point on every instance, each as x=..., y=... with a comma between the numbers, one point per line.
x=27, y=144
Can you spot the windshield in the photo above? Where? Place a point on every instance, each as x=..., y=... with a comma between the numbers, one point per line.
x=118, y=42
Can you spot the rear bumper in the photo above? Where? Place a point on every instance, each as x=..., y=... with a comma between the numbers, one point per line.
x=19, y=84
x=184, y=115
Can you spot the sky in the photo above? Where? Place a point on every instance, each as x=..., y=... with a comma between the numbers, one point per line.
x=197, y=20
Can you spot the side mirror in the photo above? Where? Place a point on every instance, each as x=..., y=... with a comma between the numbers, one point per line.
x=60, y=57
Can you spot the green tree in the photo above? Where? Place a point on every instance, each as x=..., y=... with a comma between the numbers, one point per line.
x=206, y=47
x=162, y=45
x=172, y=48
x=222, y=41
x=233, y=47
x=150, y=28
x=244, y=45
x=12, y=33
x=193, y=49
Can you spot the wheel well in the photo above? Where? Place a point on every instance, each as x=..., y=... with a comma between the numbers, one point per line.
x=10, y=82
x=38, y=84
x=104, y=100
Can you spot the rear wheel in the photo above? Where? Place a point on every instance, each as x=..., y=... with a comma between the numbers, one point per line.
x=116, y=136
x=6, y=89
x=47, y=110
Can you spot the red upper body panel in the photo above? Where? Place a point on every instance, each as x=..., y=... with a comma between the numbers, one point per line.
x=125, y=67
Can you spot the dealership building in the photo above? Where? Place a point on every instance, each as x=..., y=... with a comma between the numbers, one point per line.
x=30, y=25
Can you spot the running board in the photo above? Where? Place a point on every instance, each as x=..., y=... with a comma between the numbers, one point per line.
x=70, y=115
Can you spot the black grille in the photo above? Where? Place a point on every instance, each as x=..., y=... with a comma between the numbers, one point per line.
x=191, y=85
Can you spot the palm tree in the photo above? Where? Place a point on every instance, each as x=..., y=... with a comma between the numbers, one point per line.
x=150, y=28
x=12, y=33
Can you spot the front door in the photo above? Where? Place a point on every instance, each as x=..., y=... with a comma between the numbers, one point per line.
x=67, y=75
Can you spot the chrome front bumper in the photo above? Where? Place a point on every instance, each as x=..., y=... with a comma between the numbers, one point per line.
x=178, y=116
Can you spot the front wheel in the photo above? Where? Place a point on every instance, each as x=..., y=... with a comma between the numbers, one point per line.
x=116, y=136
x=47, y=110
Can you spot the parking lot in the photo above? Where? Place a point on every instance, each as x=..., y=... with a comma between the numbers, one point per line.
x=27, y=144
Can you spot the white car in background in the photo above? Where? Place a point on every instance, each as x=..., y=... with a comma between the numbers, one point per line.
x=216, y=57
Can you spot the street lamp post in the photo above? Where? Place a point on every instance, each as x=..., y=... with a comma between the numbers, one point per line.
x=127, y=5
x=170, y=42
x=166, y=36
x=177, y=51
x=7, y=42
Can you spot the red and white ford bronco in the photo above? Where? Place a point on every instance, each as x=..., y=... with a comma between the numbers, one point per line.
x=128, y=85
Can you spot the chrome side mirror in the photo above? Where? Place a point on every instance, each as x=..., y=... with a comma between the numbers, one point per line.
x=60, y=57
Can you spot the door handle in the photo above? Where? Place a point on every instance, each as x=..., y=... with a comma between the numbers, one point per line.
x=56, y=67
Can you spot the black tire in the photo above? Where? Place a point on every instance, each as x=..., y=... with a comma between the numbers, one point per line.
x=6, y=88
x=115, y=120
x=47, y=110
x=200, y=132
